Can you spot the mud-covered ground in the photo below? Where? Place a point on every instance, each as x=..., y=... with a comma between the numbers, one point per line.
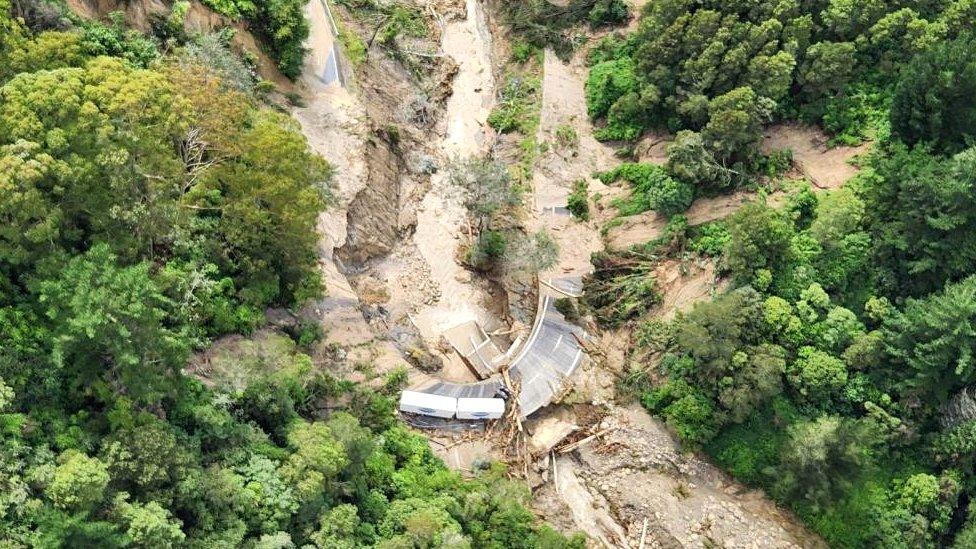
x=388, y=253
x=636, y=479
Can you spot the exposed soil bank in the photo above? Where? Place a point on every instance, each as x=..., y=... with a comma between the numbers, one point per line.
x=637, y=473
x=335, y=124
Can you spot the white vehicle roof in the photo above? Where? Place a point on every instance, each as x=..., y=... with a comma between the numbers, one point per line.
x=428, y=404
x=480, y=408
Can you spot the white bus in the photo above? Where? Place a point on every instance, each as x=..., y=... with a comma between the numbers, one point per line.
x=480, y=408
x=428, y=404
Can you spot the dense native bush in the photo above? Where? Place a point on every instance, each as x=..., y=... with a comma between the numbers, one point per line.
x=800, y=369
x=722, y=69
x=281, y=23
x=933, y=100
x=836, y=370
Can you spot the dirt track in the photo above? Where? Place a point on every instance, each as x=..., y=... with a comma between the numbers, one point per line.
x=826, y=168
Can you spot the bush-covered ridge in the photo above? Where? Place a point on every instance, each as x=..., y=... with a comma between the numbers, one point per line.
x=837, y=372
x=723, y=69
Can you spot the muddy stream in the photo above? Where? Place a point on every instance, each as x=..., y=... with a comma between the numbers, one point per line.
x=441, y=214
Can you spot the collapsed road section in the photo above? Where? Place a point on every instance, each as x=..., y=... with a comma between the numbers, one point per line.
x=534, y=378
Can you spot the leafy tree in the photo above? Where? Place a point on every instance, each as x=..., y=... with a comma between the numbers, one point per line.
x=140, y=178
x=98, y=156
x=757, y=375
x=79, y=482
x=722, y=337
x=46, y=51
x=268, y=403
x=145, y=455
x=821, y=458
x=817, y=375
x=921, y=214
x=487, y=189
x=114, y=40
x=149, y=525
x=281, y=23
x=423, y=522
x=932, y=100
x=691, y=414
x=771, y=75
x=317, y=459
x=848, y=18
x=110, y=324
x=839, y=329
x=11, y=37
x=269, y=499
x=276, y=187
x=901, y=34
x=278, y=540
x=33, y=219
x=55, y=528
x=844, y=246
x=760, y=241
x=930, y=496
x=827, y=68
x=930, y=344
x=735, y=121
x=690, y=161
x=919, y=511
x=338, y=529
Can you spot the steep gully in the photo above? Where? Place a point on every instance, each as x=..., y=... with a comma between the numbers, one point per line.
x=552, y=350
x=335, y=123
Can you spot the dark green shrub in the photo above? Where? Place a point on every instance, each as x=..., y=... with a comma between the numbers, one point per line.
x=607, y=82
x=116, y=41
x=578, y=202
x=692, y=415
x=488, y=249
x=269, y=404
x=710, y=239
x=653, y=189
x=608, y=12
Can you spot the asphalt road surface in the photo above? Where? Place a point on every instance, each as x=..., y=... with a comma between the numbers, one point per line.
x=549, y=357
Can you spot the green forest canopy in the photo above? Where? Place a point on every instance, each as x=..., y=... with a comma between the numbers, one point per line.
x=837, y=372
x=723, y=68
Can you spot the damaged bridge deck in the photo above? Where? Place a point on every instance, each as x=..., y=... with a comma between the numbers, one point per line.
x=543, y=366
